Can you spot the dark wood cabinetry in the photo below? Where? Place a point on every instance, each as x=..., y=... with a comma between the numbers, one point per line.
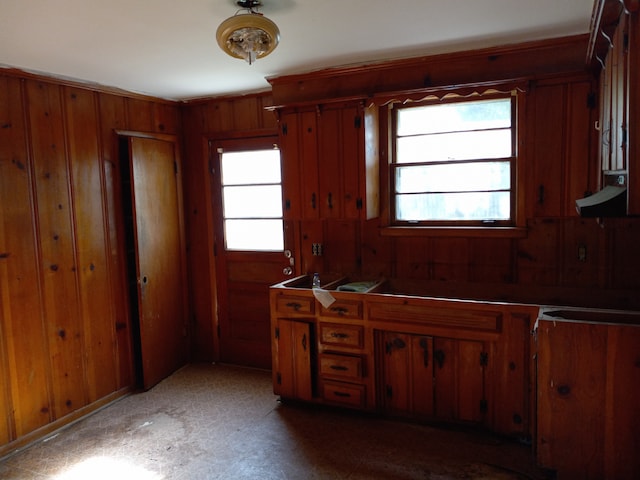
x=587, y=399
x=414, y=357
x=330, y=161
x=615, y=50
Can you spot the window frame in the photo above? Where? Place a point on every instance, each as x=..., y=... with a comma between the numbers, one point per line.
x=514, y=161
x=243, y=144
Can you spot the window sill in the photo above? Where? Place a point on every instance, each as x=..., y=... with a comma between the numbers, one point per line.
x=484, y=232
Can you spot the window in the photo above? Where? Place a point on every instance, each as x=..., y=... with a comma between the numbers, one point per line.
x=454, y=163
x=252, y=200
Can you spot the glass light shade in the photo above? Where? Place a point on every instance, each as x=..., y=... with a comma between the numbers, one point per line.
x=248, y=36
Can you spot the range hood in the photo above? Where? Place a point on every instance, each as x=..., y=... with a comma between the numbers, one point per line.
x=611, y=201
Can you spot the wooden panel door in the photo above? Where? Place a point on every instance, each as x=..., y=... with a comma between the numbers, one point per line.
x=159, y=244
x=407, y=374
x=295, y=345
x=459, y=379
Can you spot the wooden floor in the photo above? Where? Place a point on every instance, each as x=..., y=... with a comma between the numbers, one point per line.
x=222, y=422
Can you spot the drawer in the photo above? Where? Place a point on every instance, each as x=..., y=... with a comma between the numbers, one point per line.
x=343, y=309
x=343, y=366
x=421, y=314
x=295, y=304
x=342, y=335
x=346, y=394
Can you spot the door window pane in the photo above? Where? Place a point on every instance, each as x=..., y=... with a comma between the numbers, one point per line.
x=252, y=200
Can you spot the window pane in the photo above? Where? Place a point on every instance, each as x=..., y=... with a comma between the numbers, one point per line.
x=263, y=235
x=476, y=206
x=252, y=201
x=251, y=167
x=454, y=146
x=454, y=117
x=454, y=177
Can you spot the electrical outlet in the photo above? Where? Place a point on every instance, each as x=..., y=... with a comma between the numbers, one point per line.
x=582, y=253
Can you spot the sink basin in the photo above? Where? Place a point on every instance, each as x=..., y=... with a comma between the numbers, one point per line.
x=334, y=283
x=590, y=315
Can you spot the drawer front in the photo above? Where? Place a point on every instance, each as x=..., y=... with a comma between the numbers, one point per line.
x=481, y=320
x=343, y=366
x=343, y=309
x=344, y=394
x=293, y=304
x=342, y=335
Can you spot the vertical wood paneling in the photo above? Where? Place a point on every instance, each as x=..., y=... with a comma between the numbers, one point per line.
x=450, y=259
x=578, y=164
x=545, y=186
x=412, y=258
x=491, y=260
x=26, y=347
x=140, y=115
x=91, y=241
x=538, y=261
x=113, y=117
x=57, y=247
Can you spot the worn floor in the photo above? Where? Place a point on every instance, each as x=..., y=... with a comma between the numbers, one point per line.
x=221, y=422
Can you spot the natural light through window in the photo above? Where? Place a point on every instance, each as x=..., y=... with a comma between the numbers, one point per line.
x=454, y=162
x=252, y=200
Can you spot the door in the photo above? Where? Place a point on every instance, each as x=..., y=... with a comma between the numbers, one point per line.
x=158, y=243
x=250, y=238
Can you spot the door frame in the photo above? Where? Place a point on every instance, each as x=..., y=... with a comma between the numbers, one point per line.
x=133, y=308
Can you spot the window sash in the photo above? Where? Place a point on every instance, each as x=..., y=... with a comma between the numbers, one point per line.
x=437, y=185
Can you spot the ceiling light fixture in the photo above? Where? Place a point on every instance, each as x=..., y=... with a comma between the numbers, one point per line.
x=249, y=35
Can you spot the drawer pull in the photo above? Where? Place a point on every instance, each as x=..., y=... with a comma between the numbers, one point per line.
x=340, y=368
x=341, y=394
x=340, y=310
x=339, y=335
x=295, y=305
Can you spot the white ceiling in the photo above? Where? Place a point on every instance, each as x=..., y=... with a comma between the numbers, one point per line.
x=168, y=49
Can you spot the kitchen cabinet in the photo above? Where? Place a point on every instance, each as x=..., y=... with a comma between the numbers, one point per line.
x=330, y=161
x=293, y=345
x=415, y=357
x=588, y=392
x=344, y=371
x=618, y=126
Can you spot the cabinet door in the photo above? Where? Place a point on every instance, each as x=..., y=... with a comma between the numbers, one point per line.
x=459, y=379
x=407, y=374
x=294, y=344
x=291, y=171
x=299, y=150
x=339, y=163
x=308, y=158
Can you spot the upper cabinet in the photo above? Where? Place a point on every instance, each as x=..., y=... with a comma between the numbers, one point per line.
x=614, y=49
x=330, y=161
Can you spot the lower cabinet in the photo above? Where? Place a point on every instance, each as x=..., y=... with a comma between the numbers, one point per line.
x=588, y=398
x=294, y=359
x=343, y=360
x=417, y=358
x=430, y=377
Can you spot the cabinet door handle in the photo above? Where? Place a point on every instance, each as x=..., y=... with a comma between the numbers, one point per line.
x=339, y=335
x=340, y=310
x=304, y=342
x=339, y=368
x=438, y=356
x=313, y=201
x=330, y=200
x=342, y=394
x=295, y=305
x=425, y=350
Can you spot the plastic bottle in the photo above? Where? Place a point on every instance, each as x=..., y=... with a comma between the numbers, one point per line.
x=315, y=283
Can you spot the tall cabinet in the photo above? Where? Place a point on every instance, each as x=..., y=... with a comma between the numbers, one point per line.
x=614, y=50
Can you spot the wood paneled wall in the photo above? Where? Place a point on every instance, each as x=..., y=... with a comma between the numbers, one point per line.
x=562, y=259
x=219, y=118
x=65, y=339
